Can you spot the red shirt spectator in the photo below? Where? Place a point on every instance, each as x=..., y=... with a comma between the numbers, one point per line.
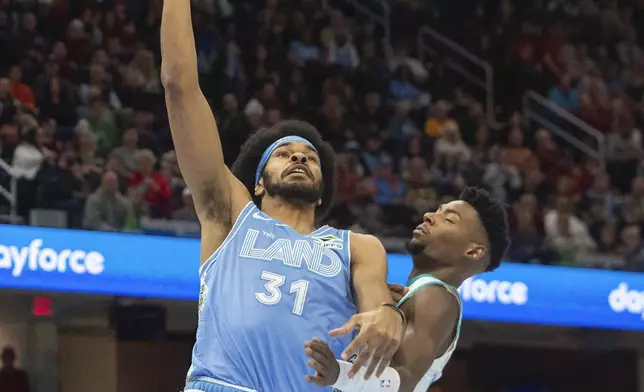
x=20, y=91
x=152, y=184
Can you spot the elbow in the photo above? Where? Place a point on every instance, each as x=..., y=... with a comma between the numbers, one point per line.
x=178, y=78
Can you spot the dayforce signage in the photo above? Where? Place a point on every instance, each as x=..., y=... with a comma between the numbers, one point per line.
x=166, y=267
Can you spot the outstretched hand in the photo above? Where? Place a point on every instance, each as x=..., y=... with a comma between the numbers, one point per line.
x=381, y=332
x=323, y=362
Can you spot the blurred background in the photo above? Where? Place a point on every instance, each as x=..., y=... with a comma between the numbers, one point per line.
x=539, y=101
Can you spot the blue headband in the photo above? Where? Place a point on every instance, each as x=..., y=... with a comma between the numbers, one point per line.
x=277, y=144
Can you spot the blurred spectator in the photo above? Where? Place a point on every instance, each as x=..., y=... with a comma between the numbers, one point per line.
x=28, y=158
x=517, y=153
x=151, y=184
x=501, y=176
x=451, y=147
x=632, y=249
x=12, y=379
x=125, y=155
x=20, y=91
x=402, y=86
x=567, y=233
x=565, y=95
x=343, y=53
x=106, y=209
x=390, y=188
x=439, y=119
x=7, y=105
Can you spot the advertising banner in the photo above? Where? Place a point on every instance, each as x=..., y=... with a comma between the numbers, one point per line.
x=135, y=265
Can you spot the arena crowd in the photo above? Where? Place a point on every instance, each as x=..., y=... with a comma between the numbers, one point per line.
x=84, y=128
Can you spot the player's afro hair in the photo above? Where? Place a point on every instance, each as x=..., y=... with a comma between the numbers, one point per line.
x=494, y=218
x=245, y=165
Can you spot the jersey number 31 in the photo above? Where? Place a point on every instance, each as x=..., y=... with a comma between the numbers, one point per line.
x=273, y=293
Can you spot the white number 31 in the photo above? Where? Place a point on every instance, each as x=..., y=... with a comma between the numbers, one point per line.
x=273, y=293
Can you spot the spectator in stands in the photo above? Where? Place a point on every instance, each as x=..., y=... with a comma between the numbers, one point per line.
x=420, y=195
x=144, y=66
x=601, y=194
x=439, y=119
x=304, y=49
x=390, y=188
x=401, y=128
x=7, y=105
x=98, y=84
x=20, y=91
x=60, y=186
x=624, y=150
x=151, y=184
x=527, y=243
x=102, y=121
x=451, y=147
x=567, y=233
x=632, y=249
x=372, y=114
x=343, y=53
x=106, y=209
x=565, y=95
x=126, y=154
x=58, y=102
x=517, y=153
x=373, y=154
x=502, y=176
x=27, y=161
x=402, y=86
x=594, y=103
x=12, y=379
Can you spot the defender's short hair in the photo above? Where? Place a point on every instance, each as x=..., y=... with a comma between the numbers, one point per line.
x=245, y=165
x=494, y=218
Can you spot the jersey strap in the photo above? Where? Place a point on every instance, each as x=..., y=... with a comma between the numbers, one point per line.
x=424, y=280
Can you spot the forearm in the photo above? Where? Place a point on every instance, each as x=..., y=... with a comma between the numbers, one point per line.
x=370, y=289
x=179, y=56
x=369, y=272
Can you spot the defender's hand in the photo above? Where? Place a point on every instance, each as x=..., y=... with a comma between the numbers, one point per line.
x=323, y=362
x=381, y=331
x=397, y=291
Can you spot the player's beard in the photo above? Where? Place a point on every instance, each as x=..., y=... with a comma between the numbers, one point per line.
x=294, y=192
x=414, y=247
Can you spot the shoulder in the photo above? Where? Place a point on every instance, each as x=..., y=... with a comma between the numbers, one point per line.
x=368, y=248
x=360, y=242
x=435, y=302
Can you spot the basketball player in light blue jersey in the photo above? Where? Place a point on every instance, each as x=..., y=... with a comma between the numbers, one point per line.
x=463, y=238
x=269, y=278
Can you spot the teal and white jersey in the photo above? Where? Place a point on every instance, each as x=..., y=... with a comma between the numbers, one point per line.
x=436, y=370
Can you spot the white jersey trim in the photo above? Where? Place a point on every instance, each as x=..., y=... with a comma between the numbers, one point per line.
x=243, y=215
x=436, y=370
x=218, y=382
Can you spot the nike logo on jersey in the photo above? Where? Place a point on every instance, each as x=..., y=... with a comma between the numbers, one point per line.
x=258, y=215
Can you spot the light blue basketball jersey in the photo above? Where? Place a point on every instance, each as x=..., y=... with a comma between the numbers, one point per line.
x=264, y=292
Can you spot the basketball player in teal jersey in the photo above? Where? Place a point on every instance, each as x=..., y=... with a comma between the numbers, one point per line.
x=462, y=239
x=270, y=279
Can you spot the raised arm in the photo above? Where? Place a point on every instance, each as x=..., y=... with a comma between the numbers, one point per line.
x=218, y=196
